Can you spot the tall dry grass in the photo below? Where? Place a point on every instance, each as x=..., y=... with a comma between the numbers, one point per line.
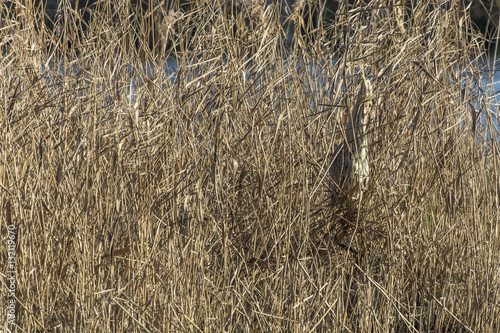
x=200, y=202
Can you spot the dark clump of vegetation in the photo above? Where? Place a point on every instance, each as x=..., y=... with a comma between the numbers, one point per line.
x=147, y=199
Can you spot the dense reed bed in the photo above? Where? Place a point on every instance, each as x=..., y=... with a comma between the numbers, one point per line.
x=143, y=198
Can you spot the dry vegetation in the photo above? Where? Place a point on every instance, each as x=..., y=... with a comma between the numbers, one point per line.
x=144, y=201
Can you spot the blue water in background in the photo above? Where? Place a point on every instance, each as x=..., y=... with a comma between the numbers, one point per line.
x=489, y=85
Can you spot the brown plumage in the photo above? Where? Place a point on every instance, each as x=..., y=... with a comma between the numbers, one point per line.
x=349, y=170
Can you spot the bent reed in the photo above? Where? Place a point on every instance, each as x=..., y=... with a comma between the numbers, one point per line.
x=198, y=199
